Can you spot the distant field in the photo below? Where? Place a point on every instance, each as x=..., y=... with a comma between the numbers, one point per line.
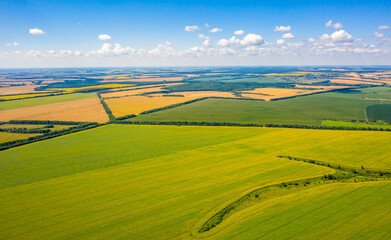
x=379, y=112
x=84, y=110
x=137, y=104
x=308, y=110
x=91, y=88
x=6, y=136
x=29, y=95
x=354, y=124
x=154, y=182
x=44, y=100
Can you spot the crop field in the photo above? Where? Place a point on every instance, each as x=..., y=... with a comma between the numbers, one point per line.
x=30, y=95
x=88, y=110
x=43, y=100
x=379, y=112
x=17, y=90
x=150, y=182
x=131, y=92
x=354, y=124
x=271, y=93
x=201, y=94
x=157, y=79
x=308, y=110
x=7, y=136
x=91, y=88
x=137, y=104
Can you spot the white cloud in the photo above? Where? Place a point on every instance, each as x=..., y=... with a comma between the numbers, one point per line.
x=239, y=32
x=282, y=28
x=288, y=36
x=14, y=44
x=384, y=27
x=206, y=43
x=104, y=37
x=337, y=36
x=378, y=35
x=280, y=41
x=252, y=39
x=191, y=28
x=215, y=30
x=311, y=39
x=335, y=25
x=249, y=40
x=202, y=36
x=36, y=31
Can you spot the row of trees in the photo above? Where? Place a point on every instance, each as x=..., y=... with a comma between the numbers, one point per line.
x=48, y=135
x=194, y=123
x=24, y=130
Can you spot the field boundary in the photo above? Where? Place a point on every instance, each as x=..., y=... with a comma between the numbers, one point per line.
x=257, y=196
x=269, y=125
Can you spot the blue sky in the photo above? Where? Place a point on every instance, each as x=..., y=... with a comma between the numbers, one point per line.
x=152, y=33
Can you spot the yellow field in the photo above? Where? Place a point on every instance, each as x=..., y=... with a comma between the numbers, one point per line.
x=18, y=90
x=131, y=92
x=271, y=93
x=201, y=94
x=14, y=97
x=6, y=137
x=137, y=104
x=89, y=110
x=90, y=88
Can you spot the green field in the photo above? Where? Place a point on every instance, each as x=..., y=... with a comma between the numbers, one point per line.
x=379, y=112
x=43, y=100
x=336, y=211
x=354, y=124
x=160, y=182
x=308, y=110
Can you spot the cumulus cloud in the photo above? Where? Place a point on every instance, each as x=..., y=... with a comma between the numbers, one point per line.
x=215, y=30
x=288, y=36
x=337, y=36
x=239, y=32
x=282, y=28
x=378, y=35
x=36, y=31
x=280, y=41
x=14, y=44
x=334, y=25
x=384, y=27
x=191, y=28
x=207, y=25
x=202, y=36
x=104, y=37
x=249, y=39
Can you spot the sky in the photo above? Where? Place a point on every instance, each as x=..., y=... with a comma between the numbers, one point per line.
x=193, y=33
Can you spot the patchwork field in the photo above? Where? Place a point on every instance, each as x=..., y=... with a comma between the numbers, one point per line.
x=88, y=110
x=271, y=93
x=137, y=104
x=308, y=110
x=6, y=136
x=17, y=89
x=131, y=92
x=199, y=94
x=44, y=100
x=91, y=88
x=150, y=182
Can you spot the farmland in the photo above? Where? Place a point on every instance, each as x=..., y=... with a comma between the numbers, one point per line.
x=87, y=110
x=187, y=175
x=218, y=153
x=43, y=100
x=137, y=104
x=309, y=110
